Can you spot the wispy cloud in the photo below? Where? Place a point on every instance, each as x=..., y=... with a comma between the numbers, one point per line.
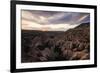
x=52, y=21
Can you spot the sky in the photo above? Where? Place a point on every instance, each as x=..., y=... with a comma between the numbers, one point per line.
x=52, y=20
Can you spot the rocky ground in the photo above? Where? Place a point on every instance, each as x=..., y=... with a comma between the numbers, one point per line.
x=40, y=46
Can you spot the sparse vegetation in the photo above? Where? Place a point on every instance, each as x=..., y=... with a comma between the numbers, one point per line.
x=40, y=46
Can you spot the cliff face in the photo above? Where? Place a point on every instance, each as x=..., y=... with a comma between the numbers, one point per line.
x=39, y=46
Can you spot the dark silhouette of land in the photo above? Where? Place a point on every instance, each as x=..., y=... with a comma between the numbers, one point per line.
x=42, y=46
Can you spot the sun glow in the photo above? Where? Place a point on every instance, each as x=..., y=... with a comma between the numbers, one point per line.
x=29, y=25
x=44, y=30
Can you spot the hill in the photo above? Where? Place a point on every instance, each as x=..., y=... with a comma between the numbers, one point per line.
x=40, y=46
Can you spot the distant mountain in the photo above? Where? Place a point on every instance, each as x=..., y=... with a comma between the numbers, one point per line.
x=81, y=32
x=83, y=25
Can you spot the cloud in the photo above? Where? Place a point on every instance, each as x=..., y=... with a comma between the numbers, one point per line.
x=69, y=18
x=51, y=27
x=52, y=21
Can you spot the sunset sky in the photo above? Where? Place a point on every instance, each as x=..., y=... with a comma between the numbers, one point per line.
x=52, y=20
